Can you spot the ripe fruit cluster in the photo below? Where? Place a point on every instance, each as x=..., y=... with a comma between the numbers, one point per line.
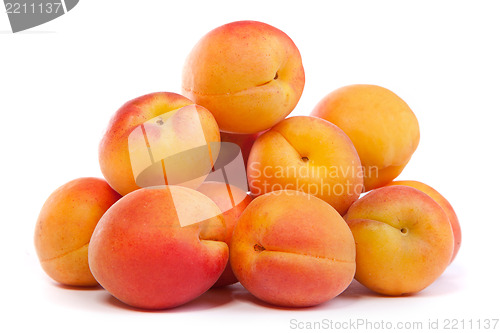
x=161, y=230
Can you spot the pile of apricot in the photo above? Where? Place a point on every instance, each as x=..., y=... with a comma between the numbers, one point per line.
x=302, y=206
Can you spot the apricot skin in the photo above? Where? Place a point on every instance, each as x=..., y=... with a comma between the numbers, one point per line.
x=141, y=253
x=404, y=240
x=445, y=204
x=65, y=225
x=244, y=141
x=232, y=202
x=380, y=124
x=306, y=154
x=114, y=156
x=292, y=249
x=248, y=74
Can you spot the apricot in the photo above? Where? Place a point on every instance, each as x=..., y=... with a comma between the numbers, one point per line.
x=159, y=248
x=158, y=139
x=248, y=74
x=306, y=154
x=65, y=225
x=404, y=240
x=380, y=124
x=232, y=201
x=448, y=209
x=292, y=249
x=244, y=141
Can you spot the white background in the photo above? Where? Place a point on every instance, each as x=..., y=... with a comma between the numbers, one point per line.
x=61, y=82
